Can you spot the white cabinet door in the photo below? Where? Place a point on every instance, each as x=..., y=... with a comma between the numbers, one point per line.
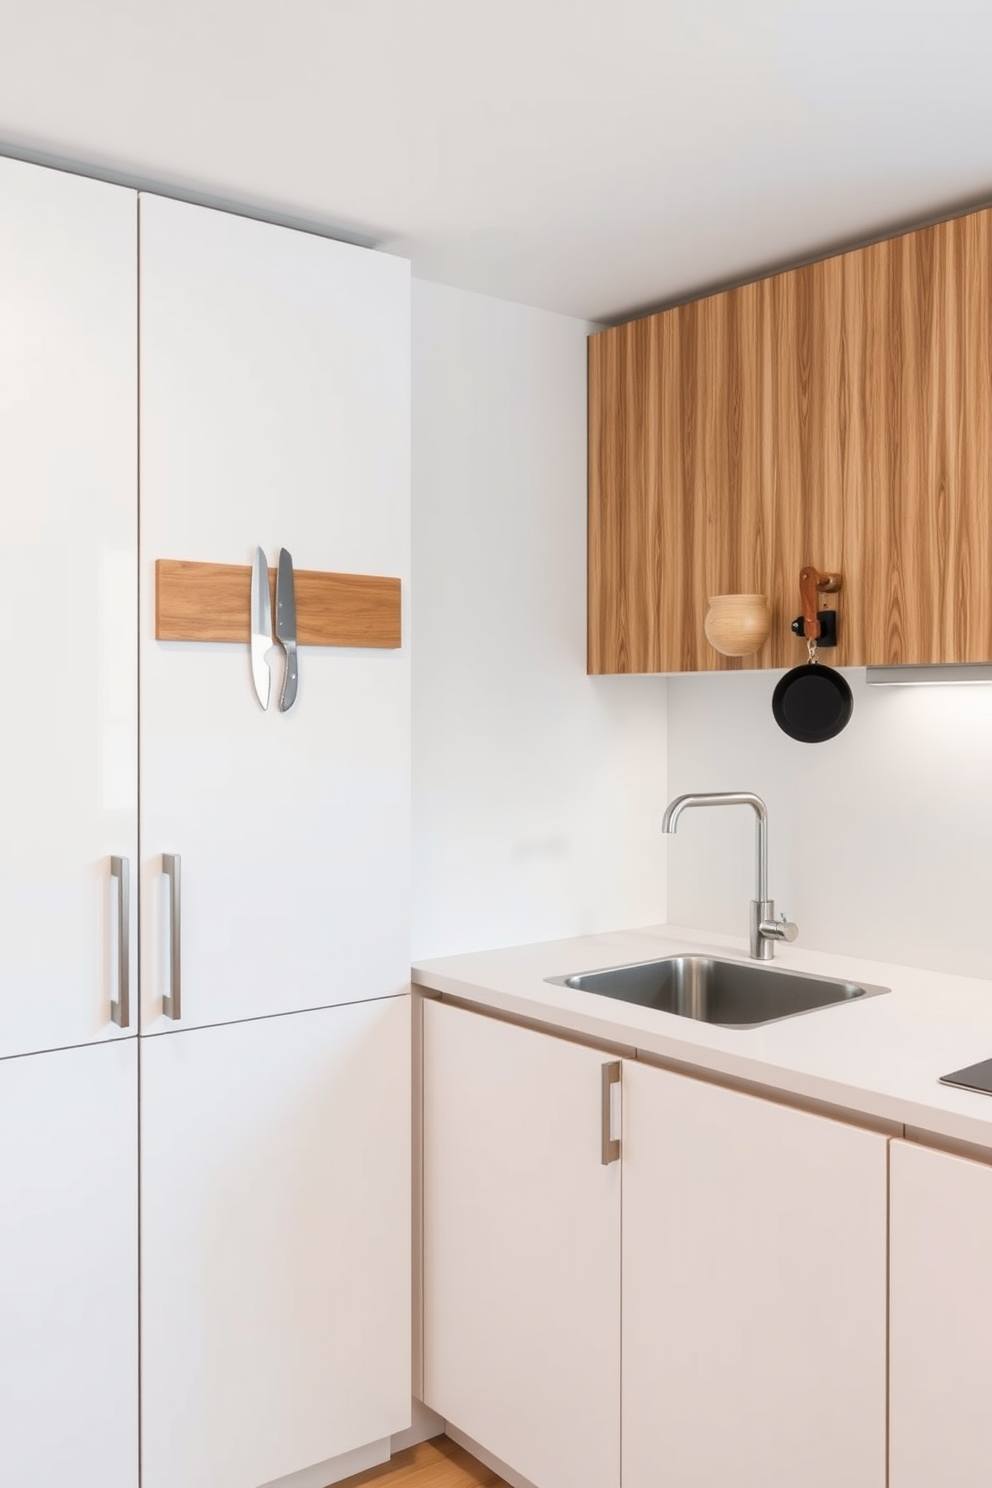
x=275, y=1243
x=940, y=1367
x=274, y=411
x=69, y=1269
x=521, y=1249
x=68, y=554
x=754, y=1292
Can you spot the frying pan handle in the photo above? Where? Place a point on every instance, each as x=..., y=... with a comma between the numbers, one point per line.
x=812, y=581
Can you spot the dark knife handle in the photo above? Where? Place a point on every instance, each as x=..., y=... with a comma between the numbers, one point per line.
x=290, y=681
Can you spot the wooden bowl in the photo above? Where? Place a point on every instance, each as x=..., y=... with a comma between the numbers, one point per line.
x=738, y=624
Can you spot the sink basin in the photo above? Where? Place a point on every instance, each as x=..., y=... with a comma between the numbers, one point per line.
x=734, y=994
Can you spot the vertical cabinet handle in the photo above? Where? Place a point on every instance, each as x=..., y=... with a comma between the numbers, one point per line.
x=120, y=1010
x=172, y=1001
x=611, y=1112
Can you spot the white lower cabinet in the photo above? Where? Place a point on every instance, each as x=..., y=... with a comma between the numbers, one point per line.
x=941, y=1320
x=754, y=1292
x=752, y=1270
x=275, y=1212
x=69, y=1268
x=521, y=1249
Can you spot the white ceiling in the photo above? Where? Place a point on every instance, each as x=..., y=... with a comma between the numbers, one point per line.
x=589, y=156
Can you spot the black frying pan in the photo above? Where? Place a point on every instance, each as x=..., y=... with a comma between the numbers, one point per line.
x=812, y=703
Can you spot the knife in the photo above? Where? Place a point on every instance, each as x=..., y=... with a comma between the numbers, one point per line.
x=261, y=628
x=286, y=627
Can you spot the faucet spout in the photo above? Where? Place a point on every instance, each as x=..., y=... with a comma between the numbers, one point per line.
x=764, y=929
x=675, y=808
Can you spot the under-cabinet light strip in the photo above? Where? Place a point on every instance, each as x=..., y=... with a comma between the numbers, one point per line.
x=928, y=676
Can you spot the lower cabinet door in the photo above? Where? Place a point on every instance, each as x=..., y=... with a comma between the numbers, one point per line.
x=275, y=1260
x=754, y=1292
x=69, y=1268
x=521, y=1249
x=940, y=1363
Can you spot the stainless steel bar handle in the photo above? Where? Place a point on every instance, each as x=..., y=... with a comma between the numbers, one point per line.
x=172, y=1001
x=120, y=1010
x=611, y=1112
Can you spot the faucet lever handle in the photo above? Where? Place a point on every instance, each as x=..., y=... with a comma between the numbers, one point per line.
x=780, y=929
x=789, y=930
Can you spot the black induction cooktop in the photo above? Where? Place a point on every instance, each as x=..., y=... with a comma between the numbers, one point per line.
x=974, y=1077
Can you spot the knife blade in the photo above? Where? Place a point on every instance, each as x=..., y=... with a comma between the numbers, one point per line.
x=261, y=628
x=286, y=627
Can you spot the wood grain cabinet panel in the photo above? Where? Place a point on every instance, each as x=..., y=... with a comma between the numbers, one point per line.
x=839, y=414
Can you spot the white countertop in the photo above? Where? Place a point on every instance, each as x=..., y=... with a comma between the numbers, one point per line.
x=880, y=1057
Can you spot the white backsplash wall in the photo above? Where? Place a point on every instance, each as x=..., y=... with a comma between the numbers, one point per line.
x=537, y=790
x=879, y=839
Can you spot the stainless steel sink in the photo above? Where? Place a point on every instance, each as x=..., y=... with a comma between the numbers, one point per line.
x=735, y=994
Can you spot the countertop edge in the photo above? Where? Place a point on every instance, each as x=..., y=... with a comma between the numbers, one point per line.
x=512, y=981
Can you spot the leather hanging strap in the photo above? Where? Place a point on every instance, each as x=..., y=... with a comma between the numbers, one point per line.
x=811, y=583
x=809, y=580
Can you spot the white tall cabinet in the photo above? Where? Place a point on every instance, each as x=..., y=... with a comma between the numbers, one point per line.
x=274, y=1111
x=275, y=1149
x=68, y=807
x=68, y=551
x=275, y=389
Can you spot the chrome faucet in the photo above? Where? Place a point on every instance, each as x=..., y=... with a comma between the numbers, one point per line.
x=765, y=929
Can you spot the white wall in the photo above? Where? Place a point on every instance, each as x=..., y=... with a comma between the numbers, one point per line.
x=879, y=839
x=537, y=790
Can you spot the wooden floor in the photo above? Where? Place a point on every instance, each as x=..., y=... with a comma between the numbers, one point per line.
x=433, y=1464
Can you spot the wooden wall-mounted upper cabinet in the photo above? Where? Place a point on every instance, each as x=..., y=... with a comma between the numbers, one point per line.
x=838, y=414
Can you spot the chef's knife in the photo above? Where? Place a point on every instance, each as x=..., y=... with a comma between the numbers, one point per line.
x=286, y=627
x=261, y=628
